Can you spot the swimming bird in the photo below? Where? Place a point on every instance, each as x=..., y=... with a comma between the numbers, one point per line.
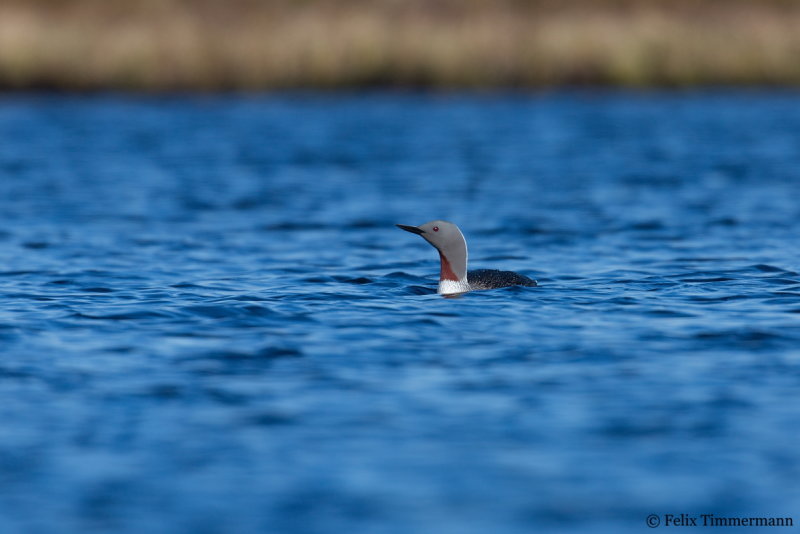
x=453, y=276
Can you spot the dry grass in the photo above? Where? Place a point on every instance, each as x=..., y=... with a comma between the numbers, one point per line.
x=251, y=44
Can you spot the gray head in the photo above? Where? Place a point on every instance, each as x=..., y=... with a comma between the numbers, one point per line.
x=450, y=243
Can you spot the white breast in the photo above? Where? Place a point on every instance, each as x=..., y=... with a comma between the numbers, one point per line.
x=450, y=287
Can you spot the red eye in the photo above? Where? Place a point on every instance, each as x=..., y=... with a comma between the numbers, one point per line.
x=435, y=228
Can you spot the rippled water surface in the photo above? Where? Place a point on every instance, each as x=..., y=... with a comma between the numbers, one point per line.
x=209, y=323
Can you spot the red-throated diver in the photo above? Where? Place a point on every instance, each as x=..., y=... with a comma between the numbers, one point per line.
x=453, y=276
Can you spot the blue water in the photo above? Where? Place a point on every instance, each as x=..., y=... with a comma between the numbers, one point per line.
x=209, y=323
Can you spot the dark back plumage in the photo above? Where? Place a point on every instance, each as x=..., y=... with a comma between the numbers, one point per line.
x=492, y=279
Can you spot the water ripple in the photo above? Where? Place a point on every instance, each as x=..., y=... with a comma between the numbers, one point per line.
x=210, y=324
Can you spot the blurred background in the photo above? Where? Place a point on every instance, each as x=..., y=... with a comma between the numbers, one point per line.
x=255, y=45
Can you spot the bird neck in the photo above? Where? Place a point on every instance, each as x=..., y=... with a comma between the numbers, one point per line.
x=448, y=273
x=453, y=266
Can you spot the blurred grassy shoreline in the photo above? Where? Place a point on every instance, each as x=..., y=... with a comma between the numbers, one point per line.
x=214, y=45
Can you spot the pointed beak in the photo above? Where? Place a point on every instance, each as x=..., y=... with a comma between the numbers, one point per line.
x=412, y=229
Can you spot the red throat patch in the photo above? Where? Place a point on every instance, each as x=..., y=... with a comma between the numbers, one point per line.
x=446, y=272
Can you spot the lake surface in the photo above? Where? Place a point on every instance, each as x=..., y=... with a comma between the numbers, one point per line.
x=210, y=324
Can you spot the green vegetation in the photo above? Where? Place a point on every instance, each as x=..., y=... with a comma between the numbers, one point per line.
x=157, y=45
